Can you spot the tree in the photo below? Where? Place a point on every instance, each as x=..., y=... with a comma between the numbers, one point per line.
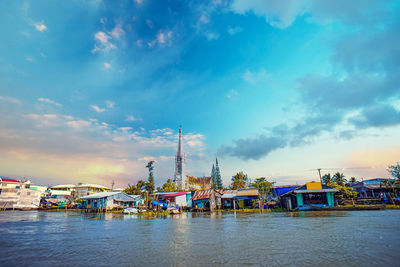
x=239, y=181
x=326, y=179
x=201, y=183
x=390, y=184
x=169, y=186
x=394, y=170
x=264, y=188
x=136, y=189
x=339, y=179
x=216, y=176
x=344, y=191
x=353, y=180
x=150, y=183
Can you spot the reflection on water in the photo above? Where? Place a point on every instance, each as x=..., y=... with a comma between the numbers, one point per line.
x=355, y=238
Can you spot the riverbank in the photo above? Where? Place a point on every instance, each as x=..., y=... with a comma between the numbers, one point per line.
x=255, y=210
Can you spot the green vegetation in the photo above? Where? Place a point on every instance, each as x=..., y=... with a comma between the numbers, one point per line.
x=394, y=170
x=264, y=188
x=239, y=181
x=150, y=183
x=169, y=186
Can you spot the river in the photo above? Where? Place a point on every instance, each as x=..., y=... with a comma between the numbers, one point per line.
x=335, y=238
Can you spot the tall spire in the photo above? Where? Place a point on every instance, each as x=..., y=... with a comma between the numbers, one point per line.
x=216, y=177
x=178, y=178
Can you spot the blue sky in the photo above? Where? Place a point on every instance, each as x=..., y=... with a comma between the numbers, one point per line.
x=91, y=90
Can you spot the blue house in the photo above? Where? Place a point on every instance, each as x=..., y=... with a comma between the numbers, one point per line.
x=310, y=196
x=107, y=200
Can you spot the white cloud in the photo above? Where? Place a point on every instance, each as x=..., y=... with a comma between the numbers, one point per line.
x=204, y=19
x=117, y=32
x=164, y=37
x=161, y=38
x=103, y=42
x=139, y=43
x=107, y=65
x=10, y=100
x=256, y=77
x=282, y=13
x=49, y=101
x=97, y=108
x=234, y=30
x=40, y=26
x=147, y=158
x=124, y=129
x=87, y=148
x=138, y=1
x=30, y=59
x=232, y=94
x=212, y=36
x=149, y=23
x=78, y=124
x=131, y=118
x=109, y=104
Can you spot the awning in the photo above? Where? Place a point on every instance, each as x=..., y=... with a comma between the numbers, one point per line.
x=316, y=191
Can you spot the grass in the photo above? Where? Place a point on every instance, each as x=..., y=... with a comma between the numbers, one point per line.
x=256, y=210
x=387, y=206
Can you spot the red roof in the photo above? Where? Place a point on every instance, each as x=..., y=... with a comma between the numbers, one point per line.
x=176, y=194
x=9, y=180
x=205, y=194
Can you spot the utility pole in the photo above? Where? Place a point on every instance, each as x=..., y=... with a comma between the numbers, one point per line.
x=320, y=177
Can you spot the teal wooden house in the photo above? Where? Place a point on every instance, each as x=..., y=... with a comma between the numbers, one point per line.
x=310, y=196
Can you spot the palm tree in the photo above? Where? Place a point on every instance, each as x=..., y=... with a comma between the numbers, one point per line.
x=339, y=179
x=326, y=179
x=352, y=180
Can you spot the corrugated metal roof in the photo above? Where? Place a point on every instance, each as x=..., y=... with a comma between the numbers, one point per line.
x=229, y=195
x=101, y=195
x=64, y=186
x=247, y=192
x=205, y=194
x=176, y=194
x=9, y=180
x=92, y=185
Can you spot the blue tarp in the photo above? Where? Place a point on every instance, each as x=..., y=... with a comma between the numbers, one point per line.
x=280, y=191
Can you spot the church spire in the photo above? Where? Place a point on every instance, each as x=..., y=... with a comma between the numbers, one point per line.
x=178, y=178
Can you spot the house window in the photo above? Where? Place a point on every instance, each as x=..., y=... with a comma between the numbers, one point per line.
x=28, y=194
x=19, y=193
x=314, y=198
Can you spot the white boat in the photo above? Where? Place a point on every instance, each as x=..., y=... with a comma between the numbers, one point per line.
x=130, y=210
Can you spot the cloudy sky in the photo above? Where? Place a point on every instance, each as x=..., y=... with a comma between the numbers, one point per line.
x=92, y=90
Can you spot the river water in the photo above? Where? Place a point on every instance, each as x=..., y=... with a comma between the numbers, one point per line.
x=336, y=238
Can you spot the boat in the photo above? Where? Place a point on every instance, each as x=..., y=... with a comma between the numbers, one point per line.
x=131, y=211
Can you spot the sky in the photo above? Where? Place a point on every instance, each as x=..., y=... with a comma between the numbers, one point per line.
x=90, y=91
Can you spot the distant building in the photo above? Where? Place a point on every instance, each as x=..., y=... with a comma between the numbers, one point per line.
x=15, y=194
x=375, y=189
x=79, y=190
